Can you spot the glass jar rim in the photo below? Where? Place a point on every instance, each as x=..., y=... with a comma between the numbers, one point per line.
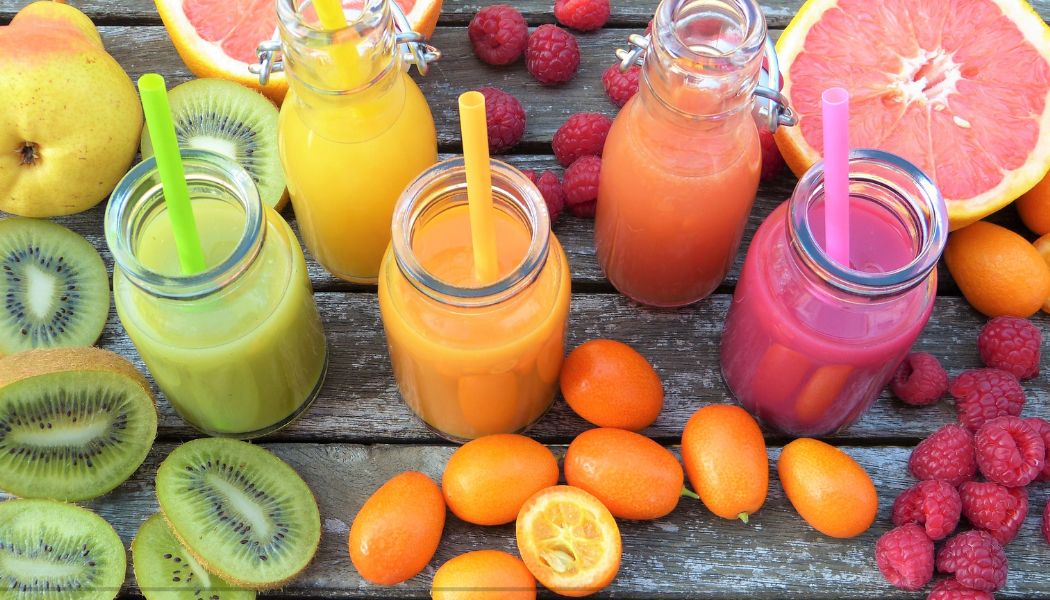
x=290, y=18
x=129, y=204
x=925, y=204
x=510, y=186
x=668, y=35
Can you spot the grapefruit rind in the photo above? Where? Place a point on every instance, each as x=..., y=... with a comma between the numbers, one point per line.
x=800, y=155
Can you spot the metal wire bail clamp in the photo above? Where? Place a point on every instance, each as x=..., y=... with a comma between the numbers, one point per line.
x=412, y=45
x=772, y=108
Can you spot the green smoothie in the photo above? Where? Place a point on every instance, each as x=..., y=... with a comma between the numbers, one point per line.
x=248, y=357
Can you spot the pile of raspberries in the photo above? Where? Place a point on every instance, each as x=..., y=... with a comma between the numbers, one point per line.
x=991, y=440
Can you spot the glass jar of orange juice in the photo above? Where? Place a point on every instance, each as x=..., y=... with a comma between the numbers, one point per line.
x=473, y=359
x=354, y=130
x=682, y=161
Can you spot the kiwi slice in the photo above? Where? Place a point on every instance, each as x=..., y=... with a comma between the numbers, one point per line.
x=165, y=571
x=232, y=120
x=240, y=511
x=74, y=422
x=52, y=550
x=54, y=285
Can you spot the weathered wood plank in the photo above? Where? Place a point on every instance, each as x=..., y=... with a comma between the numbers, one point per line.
x=360, y=402
x=689, y=554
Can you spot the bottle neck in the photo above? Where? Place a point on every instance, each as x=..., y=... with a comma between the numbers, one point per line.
x=898, y=193
x=138, y=200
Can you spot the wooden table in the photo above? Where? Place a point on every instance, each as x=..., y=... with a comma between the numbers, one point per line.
x=359, y=433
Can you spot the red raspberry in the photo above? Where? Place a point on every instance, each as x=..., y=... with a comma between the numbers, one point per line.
x=582, y=134
x=984, y=394
x=976, y=559
x=619, y=87
x=553, y=194
x=905, y=557
x=951, y=589
x=583, y=15
x=553, y=55
x=948, y=454
x=920, y=380
x=1009, y=452
x=772, y=161
x=498, y=34
x=998, y=510
x=505, y=118
x=1041, y=427
x=935, y=504
x=581, y=186
x=1011, y=344
x=1046, y=522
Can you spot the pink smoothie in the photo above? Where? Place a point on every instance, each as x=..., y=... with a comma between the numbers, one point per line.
x=806, y=358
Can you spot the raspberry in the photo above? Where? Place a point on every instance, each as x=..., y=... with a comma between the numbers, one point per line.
x=1041, y=427
x=553, y=55
x=905, y=557
x=582, y=134
x=772, y=161
x=1046, y=522
x=934, y=504
x=948, y=454
x=984, y=394
x=1011, y=344
x=998, y=510
x=951, y=589
x=584, y=15
x=581, y=186
x=920, y=380
x=976, y=559
x=498, y=34
x=1009, y=452
x=619, y=87
x=505, y=118
x=553, y=194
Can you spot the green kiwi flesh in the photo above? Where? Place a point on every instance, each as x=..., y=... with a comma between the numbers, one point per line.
x=242, y=512
x=74, y=423
x=54, y=287
x=232, y=120
x=165, y=571
x=55, y=551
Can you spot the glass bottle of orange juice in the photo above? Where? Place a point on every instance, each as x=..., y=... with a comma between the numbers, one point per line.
x=474, y=359
x=354, y=131
x=681, y=163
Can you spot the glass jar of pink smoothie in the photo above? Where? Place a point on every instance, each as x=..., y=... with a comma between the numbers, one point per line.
x=809, y=343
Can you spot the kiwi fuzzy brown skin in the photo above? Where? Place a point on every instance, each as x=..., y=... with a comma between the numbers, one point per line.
x=166, y=477
x=48, y=362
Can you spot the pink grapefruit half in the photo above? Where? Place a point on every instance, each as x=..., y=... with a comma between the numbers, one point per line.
x=960, y=88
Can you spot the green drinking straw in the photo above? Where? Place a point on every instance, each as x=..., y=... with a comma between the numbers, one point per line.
x=154, y=95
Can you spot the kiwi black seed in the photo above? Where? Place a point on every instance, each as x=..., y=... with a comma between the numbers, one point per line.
x=243, y=513
x=52, y=550
x=232, y=120
x=54, y=287
x=74, y=422
x=164, y=570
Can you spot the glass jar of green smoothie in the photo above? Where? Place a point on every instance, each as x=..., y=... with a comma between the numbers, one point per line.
x=238, y=349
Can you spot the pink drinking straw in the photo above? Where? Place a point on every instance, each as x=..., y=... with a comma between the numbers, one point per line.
x=835, y=106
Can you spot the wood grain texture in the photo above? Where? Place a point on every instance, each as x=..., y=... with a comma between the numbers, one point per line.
x=688, y=554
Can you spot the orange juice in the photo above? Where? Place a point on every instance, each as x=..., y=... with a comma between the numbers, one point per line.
x=473, y=360
x=349, y=143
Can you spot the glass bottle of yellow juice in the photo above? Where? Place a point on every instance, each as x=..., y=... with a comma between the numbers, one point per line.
x=354, y=131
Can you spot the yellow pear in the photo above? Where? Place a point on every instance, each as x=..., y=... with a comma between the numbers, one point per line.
x=69, y=115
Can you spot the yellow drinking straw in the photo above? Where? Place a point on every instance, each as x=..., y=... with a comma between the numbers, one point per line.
x=346, y=57
x=172, y=176
x=479, y=185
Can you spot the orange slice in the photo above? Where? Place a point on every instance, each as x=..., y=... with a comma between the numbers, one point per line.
x=217, y=38
x=569, y=540
x=960, y=88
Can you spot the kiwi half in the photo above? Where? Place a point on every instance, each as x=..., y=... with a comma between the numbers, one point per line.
x=52, y=550
x=165, y=571
x=54, y=286
x=74, y=422
x=240, y=511
x=232, y=120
